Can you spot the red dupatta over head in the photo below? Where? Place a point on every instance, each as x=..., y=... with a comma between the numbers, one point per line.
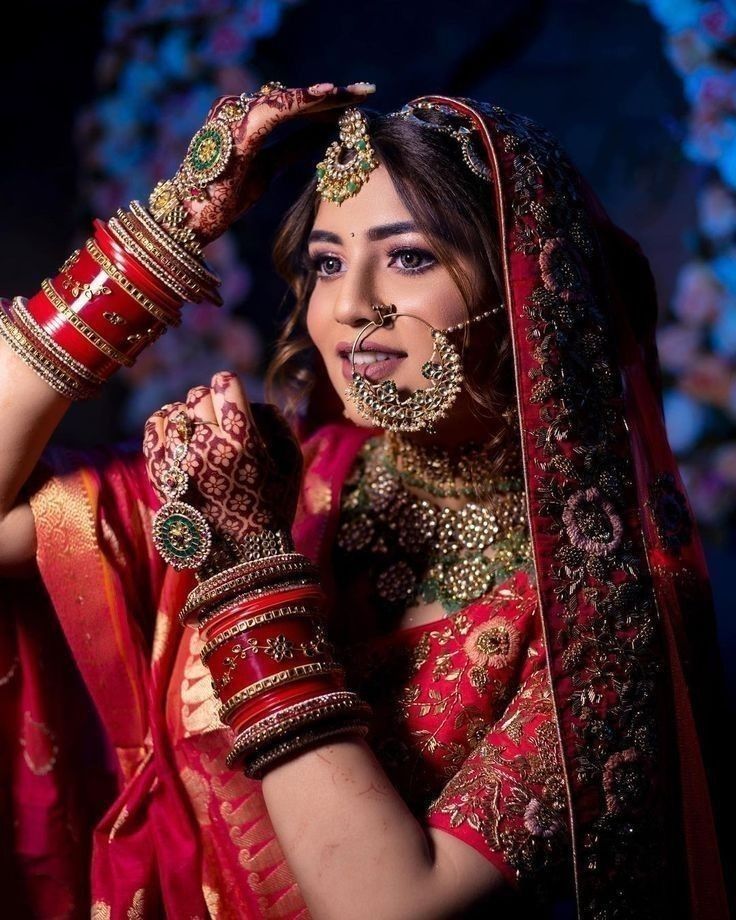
x=623, y=586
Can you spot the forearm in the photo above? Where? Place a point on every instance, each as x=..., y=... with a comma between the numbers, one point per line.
x=351, y=841
x=30, y=410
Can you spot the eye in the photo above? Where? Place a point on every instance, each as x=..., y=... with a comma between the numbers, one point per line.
x=413, y=261
x=324, y=264
x=407, y=260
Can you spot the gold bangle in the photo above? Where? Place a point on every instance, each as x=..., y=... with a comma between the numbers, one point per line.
x=295, y=709
x=79, y=324
x=47, y=370
x=277, y=680
x=271, y=581
x=28, y=322
x=268, y=616
x=204, y=618
x=181, y=238
x=165, y=277
x=162, y=258
x=133, y=249
x=252, y=567
x=119, y=278
x=259, y=735
x=256, y=767
x=251, y=574
x=227, y=552
x=197, y=267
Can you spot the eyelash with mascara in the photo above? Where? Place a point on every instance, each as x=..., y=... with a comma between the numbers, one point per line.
x=313, y=262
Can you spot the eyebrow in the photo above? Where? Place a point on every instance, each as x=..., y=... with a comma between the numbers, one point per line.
x=374, y=234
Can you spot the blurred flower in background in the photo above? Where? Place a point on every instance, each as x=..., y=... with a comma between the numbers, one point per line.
x=697, y=338
x=162, y=67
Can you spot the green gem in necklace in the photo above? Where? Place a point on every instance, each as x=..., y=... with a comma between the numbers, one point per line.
x=418, y=552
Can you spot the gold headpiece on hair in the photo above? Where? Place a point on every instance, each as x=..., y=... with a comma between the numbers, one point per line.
x=443, y=118
x=349, y=161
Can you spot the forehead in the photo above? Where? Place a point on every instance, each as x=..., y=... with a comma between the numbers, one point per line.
x=376, y=202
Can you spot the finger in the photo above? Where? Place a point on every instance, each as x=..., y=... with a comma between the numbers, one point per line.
x=279, y=106
x=199, y=405
x=153, y=441
x=155, y=452
x=233, y=410
x=353, y=94
x=175, y=432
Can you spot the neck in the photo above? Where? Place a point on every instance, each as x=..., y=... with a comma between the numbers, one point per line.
x=453, y=472
x=454, y=439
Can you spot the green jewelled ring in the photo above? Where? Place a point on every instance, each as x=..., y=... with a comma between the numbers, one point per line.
x=182, y=535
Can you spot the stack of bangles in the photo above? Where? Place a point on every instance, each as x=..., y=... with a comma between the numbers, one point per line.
x=263, y=626
x=111, y=298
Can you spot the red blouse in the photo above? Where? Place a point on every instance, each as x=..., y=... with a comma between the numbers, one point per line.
x=464, y=727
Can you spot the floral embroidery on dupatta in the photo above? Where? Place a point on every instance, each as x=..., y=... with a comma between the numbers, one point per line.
x=604, y=636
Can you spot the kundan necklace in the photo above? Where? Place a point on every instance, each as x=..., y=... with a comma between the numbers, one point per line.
x=415, y=551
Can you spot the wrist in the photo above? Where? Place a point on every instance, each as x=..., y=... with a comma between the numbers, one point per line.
x=109, y=301
x=263, y=624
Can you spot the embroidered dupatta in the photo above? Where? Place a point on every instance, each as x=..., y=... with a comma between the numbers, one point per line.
x=622, y=582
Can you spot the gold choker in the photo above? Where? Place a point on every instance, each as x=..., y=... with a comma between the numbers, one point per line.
x=437, y=469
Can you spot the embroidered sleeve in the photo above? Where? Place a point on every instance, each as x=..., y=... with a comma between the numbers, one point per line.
x=508, y=798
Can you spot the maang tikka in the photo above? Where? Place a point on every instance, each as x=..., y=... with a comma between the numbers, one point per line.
x=381, y=403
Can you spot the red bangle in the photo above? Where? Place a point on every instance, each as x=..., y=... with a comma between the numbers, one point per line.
x=105, y=263
x=86, y=271
x=304, y=594
x=70, y=339
x=265, y=704
x=131, y=268
x=261, y=651
x=100, y=303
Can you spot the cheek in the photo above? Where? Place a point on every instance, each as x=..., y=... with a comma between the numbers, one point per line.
x=314, y=326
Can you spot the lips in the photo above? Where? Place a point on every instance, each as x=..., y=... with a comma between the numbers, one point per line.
x=343, y=349
x=377, y=370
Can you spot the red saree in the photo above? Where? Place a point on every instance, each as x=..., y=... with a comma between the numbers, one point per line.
x=570, y=748
x=171, y=828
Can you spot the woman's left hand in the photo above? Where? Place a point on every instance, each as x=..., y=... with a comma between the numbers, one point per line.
x=244, y=463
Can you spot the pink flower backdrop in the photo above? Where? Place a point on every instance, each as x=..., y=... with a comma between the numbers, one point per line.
x=697, y=335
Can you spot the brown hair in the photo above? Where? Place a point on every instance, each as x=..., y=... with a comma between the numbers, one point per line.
x=454, y=208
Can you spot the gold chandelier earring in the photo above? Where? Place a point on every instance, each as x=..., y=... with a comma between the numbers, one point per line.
x=381, y=403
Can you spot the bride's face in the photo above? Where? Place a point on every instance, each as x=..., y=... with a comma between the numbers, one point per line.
x=369, y=251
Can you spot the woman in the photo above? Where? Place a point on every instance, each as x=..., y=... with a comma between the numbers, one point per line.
x=536, y=681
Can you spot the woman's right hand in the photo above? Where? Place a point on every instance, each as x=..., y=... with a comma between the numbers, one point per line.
x=246, y=177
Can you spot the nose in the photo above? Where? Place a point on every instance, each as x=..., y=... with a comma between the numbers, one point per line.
x=354, y=296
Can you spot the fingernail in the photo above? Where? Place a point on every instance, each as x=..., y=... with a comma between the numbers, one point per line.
x=362, y=87
x=317, y=88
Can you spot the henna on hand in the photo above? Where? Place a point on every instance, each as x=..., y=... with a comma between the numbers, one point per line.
x=243, y=460
x=247, y=174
